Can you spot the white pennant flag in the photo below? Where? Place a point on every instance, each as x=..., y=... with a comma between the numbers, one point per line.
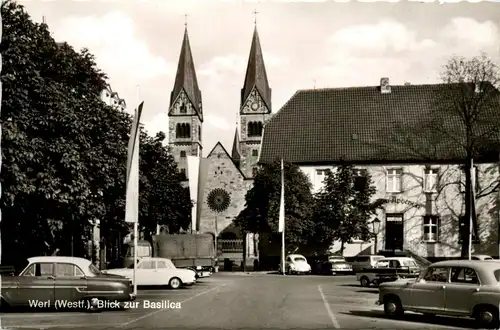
x=281, y=226
x=132, y=185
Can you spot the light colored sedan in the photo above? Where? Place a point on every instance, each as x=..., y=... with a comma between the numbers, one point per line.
x=157, y=272
x=464, y=288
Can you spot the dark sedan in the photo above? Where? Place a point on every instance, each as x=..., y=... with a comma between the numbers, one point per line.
x=65, y=283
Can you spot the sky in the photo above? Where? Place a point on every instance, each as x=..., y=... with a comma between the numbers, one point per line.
x=306, y=45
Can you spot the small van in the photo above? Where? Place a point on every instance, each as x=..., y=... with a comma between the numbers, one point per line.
x=365, y=261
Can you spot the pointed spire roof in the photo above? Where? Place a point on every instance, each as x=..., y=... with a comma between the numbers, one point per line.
x=256, y=75
x=235, y=154
x=185, y=78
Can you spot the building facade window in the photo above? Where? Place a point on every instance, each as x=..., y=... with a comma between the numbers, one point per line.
x=255, y=128
x=183, y=153
x=183, y=131
x=430, y=179
x=182, y=171
x=394, y=180
x=431, y=228
x=194, y=152
x=183, y=108
x=321, y=172
x=199, y=133
x=255, y=152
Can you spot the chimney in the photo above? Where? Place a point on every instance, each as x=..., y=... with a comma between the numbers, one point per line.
x=385, y=88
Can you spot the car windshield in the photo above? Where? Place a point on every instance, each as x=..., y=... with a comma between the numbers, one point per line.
x=409, y=263
x=94, y=270
x=169, y=263
x=497, y=274
x=299, y=259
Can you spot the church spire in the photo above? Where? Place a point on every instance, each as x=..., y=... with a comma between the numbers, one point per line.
x=235, y=154
x=185, y=78
x=256, y=75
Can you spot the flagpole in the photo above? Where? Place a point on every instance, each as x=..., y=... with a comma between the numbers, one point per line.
x=136, y=223
x=472, y=206
x=282, y=217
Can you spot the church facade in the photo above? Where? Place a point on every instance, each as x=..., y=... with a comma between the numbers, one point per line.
x=219, y=182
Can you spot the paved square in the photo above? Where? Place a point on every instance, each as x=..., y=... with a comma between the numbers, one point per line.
x=252, y=301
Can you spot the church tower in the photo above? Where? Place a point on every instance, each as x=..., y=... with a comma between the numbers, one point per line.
x=255, y=108
x=185, y=112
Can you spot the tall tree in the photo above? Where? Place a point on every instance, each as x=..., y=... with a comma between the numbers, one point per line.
x=473, y=95
x=262, y=205
x=344, y=204
x=64, y=151
x=164, y=201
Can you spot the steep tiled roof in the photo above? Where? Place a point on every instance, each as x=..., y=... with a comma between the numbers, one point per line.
x=185, y=78
x=363, y=125
x=256, y=75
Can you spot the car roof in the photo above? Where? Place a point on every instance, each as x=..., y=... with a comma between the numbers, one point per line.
x=81, y=262
x=396, y=258
x=484, y=269
x=488, y=264
x=370, y=255
x=295, y=255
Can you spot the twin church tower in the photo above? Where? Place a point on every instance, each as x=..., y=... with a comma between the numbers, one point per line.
x=186, y=111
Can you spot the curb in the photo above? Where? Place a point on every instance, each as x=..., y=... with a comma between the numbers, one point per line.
x=240, y=273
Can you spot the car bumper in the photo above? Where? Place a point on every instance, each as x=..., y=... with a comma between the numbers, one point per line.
x=203, y=274
x=300, y=271
x=342, y=271
x=190, y=282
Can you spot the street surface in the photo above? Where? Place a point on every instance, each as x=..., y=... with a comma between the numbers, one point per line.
x=229, y=301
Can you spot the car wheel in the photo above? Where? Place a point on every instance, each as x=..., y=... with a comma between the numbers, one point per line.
x=365, y=282
x=393, y=307
x=93, y=305
x=487, y=317
x=174, y=283
x=4, y=305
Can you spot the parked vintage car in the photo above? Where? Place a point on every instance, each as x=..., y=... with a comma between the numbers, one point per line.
x=329, y=265
x=51, y=282
x=157, y=272
x=465, y=288
x=361, y=262
x=481, y=257
x=297, y=264
x=388, y=269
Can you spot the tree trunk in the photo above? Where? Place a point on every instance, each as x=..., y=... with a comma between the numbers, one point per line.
x=468, y=200
x=342, y=248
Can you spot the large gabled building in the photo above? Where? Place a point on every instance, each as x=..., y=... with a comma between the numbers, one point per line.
x=417, y=171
